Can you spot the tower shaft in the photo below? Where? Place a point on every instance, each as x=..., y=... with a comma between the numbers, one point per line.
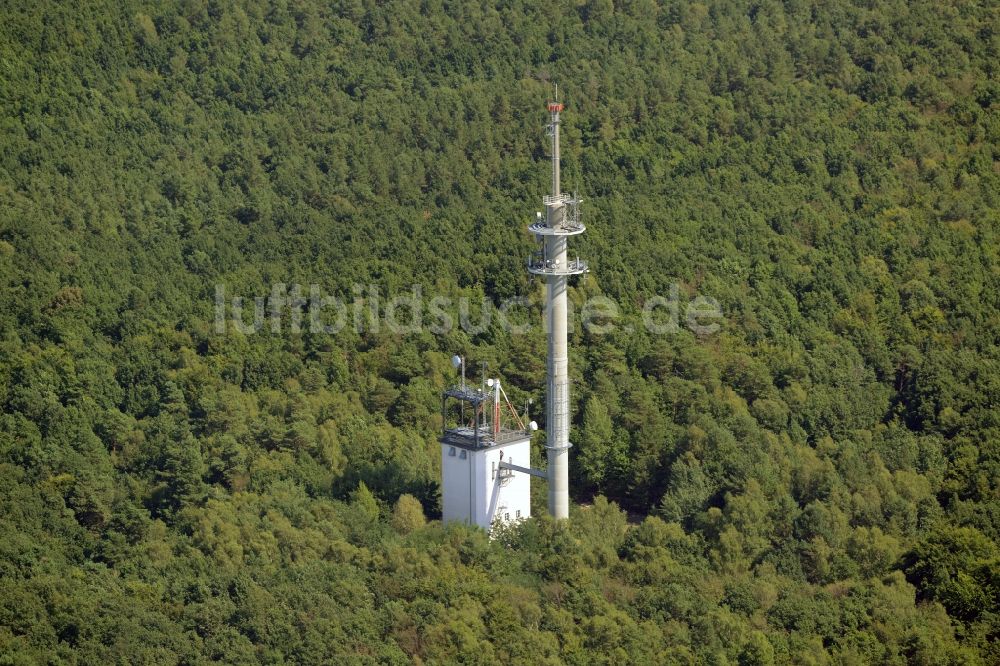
x=557, y=400
x=557, y=403
x=562, y=220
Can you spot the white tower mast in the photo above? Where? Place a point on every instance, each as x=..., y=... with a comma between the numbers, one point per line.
x=562, y=219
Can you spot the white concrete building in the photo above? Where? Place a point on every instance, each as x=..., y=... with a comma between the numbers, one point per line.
x=476, y=490
x=485, y=476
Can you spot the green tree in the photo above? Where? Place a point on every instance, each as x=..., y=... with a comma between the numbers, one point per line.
x=407, y=514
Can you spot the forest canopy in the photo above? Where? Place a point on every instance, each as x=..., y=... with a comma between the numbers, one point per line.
x=816, y=482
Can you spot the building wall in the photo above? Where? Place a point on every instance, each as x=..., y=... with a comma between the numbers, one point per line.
x=456, y=484
x=473, y=490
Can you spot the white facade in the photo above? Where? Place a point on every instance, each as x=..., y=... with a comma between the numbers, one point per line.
x=476, y=491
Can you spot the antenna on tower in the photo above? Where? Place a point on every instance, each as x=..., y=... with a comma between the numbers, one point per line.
x=459, y=362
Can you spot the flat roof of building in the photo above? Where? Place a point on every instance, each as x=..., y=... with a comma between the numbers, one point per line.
x=466, y=437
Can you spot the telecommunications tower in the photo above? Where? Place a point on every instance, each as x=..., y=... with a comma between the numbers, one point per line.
x=486, y=449
x=551, y=261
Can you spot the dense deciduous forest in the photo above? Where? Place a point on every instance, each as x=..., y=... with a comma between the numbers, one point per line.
x=817, y=482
